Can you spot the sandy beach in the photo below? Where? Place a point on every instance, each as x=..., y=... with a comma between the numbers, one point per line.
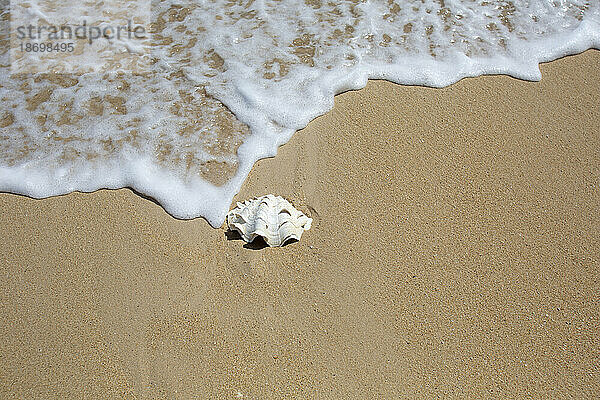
x=454, y=254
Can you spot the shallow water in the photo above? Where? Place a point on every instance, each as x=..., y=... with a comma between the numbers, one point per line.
x=217, y=85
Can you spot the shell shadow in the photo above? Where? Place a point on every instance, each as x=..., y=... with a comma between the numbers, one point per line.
x=257, y=244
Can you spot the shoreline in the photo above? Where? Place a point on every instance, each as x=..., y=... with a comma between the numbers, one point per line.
x=454, y=252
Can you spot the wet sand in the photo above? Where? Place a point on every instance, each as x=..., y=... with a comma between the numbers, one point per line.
x=454, y=253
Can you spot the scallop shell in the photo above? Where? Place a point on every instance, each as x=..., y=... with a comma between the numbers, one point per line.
x=271, y=217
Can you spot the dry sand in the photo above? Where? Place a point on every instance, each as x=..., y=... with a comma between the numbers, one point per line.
x=455, y=253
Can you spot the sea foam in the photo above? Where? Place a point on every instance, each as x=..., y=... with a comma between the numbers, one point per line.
x=225, y=83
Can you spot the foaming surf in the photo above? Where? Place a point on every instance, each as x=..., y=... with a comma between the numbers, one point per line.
x=225, y=83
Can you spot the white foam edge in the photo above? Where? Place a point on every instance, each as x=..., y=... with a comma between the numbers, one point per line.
x=273, y=126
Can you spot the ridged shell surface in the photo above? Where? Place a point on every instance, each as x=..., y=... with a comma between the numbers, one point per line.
x=271, y=217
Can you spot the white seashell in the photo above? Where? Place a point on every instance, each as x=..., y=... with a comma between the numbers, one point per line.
x=271, y=217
